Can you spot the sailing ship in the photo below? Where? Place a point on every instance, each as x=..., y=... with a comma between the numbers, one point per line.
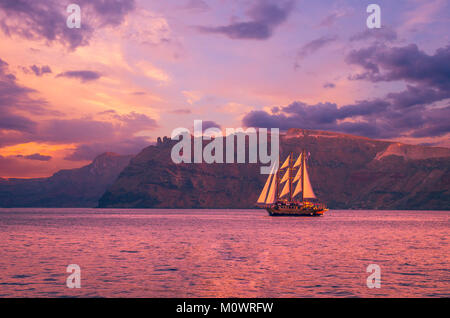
x=291, y=201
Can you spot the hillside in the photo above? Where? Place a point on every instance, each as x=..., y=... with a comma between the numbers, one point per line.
x=346, y=171
x=80, y=187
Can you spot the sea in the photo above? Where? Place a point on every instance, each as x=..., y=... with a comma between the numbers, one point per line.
x=222, y=253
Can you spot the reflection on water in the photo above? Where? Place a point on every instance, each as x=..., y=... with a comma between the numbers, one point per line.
x=222, y=253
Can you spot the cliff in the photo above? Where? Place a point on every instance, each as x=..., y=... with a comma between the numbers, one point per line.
x=346, y=171
x=80, y=187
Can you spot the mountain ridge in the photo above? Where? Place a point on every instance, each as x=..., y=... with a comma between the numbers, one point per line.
x=344, y=169
x=80, y=187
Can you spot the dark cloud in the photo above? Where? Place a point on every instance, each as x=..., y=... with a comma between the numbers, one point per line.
x=411, y=112
x=37, y=20
x=438, y=123
x=326, y=116
x=46, y=19
x=417, y=111
x=17, y=123
x=417, y=95
x=209, y=124
x=407, y=63
x=110, y=12
x=84, y=76
x=96, y=137
x=329, y=85
x=315, y=45
x=375, y=119
x=428, y=78
x=384, y=34
x=15, y=101
x=36, y=156
x=39, y=71
x=265, y=16
x=108, y=131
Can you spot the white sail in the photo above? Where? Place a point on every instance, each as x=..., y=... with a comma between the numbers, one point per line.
x=262, y=196
x=285, y=190
x=297, y=176
x=298, y=162
x=298, y=189
x=271, y=196
x=286, y=163
x=285, y=177
x=308, y=191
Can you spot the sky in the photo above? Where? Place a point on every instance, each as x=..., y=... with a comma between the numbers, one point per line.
x=135, y=70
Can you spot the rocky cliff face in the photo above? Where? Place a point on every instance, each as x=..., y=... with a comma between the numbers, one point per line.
x=346, y=172
x=67, y=188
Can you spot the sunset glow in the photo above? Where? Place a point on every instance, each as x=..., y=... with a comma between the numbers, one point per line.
x=135, y=71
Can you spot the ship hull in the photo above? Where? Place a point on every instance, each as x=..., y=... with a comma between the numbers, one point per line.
x=294, y=211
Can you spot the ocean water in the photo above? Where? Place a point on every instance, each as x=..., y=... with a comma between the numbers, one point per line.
x=222, y=253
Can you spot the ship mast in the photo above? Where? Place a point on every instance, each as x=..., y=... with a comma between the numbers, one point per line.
x=291, y=157
x=303, y=173
x=276, y=181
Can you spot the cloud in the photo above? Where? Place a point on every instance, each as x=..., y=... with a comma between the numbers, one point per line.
x=408, y=63
x=192, y=97
x=210, y=124
x=264, y=16
x=199, y=5
x=329, y=85
x=153, y=72
x=116, y=134
x=139, y=93
x=89, y=151
x=111, y=127
x=333, y=17
x=422, y=14
x=181, y=111
x=315, y=45
x=428, y=76
x=329, y=20
x=17, y=123
x=110, y=131
x=375, y=119
x=74, y=130
x=384, y=34
x=149, y=28
x=109, y=12
x=17, y=167
x=412, y=112
x=84, y=76
x=107, y=131
x=36, y=156
x=417, y=95
x=15, y=100
x=46, y=19
x=39, y=71
x=440, y=123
